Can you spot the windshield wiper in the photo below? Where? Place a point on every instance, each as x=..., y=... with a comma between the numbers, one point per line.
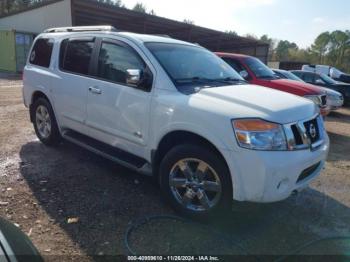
x=230, y=79
x=194, y=79
x=268, y=77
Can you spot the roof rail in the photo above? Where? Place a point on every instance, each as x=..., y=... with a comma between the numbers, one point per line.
x=81, y=29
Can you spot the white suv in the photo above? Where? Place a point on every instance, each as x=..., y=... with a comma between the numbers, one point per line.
x=175, y=111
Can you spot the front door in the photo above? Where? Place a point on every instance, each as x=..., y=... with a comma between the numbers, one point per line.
x=118, y=113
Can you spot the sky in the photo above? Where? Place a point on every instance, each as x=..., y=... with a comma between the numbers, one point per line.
x=299, y=21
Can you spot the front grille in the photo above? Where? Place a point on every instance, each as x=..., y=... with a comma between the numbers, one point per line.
x=308, y=172
x=297, y=136
x=312, y=130
x=305, y=134
x=323, y=100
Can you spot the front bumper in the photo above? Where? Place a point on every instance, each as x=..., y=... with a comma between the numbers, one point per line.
x=325, y=110
x=260, y=176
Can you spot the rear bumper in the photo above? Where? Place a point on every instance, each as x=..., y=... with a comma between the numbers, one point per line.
x=273, y=176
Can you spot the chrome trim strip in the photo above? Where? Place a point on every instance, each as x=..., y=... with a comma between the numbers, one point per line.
x=302, y=131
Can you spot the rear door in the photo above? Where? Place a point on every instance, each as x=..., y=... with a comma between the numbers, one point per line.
x=118, y=113
x=72, y=82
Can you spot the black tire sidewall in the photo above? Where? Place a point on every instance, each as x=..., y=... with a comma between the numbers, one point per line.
x=54, y=137
x=210, y=157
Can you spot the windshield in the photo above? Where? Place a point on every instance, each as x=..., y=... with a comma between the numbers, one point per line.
x=291, y=76
x=327, y=79
x=259, y=69
x=187, y=64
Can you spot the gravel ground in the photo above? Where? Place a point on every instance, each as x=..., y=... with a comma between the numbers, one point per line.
x=77, y=206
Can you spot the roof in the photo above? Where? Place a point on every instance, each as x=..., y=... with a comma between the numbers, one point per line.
x=150, y=38
x=132, y=36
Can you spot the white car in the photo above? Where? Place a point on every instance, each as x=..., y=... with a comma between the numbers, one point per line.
x=176, y=111
x=330, y=71
x=335, y=100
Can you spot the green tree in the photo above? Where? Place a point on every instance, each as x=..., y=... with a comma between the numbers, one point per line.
x=188, y=21
x=321, y=46
x=272, y=45
x=251, y=36
x=283, y=49
x=140, y=7
x=339, y=45
x=231, y=32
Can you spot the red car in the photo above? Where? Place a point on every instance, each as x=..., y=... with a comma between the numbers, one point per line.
x=256, y=72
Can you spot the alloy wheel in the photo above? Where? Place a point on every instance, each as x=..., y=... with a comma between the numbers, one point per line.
x=43, y=121
x=195, y=184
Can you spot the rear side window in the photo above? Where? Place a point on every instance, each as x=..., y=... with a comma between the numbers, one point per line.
x=75, y=56
x=41, y=52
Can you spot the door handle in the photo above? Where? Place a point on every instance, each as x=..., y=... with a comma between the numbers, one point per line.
x=95, y=90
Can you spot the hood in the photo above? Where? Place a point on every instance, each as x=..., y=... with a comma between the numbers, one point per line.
x=332, y=92
x=294, y=87
x=240, y=101
x=342, y=84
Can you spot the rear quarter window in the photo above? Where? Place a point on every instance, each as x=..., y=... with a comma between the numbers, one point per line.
x=42, y=52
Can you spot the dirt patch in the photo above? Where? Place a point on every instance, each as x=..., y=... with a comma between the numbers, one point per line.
x=75, y=205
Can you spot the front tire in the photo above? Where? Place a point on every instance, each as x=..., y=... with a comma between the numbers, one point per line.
x=196, y=181
x=45, y=123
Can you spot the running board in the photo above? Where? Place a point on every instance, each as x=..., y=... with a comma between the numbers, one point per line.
x=112, y=153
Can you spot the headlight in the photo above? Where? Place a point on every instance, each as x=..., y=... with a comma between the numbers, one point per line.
x=335, y=97
x=258, y=134
x=316, y=99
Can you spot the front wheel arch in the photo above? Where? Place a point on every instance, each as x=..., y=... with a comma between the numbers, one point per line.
x=178, y=137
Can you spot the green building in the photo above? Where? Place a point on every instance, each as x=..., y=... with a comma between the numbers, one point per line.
x=14, y=48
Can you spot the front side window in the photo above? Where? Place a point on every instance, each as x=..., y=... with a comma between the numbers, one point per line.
x=114, y=60
x=76, y=56
x=41, y=52
x=192, y=64
x=259, y=69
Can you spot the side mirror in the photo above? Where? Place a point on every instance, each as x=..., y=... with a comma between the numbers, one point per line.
x=244, y=74
x=133, y=77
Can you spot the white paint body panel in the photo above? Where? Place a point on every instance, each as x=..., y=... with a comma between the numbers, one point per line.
x=114, y=116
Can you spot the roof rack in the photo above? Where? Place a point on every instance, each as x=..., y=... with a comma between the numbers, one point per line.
x=81, y=29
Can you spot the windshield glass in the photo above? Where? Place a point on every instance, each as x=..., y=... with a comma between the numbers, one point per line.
x=259, y=69
x=292, y=76
x=192, y=64
x=327, y=79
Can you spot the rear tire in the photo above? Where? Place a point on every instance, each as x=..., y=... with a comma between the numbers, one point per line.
x=196, y=182
x=45, y=123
